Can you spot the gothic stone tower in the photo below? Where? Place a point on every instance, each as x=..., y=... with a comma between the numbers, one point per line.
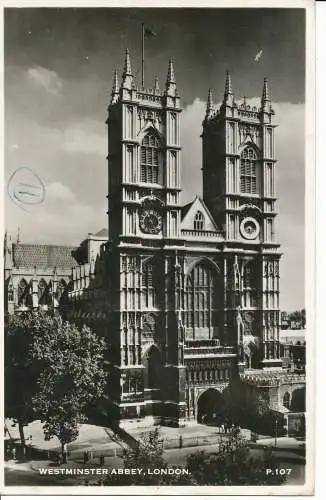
x=239, y=189
x=144, y=233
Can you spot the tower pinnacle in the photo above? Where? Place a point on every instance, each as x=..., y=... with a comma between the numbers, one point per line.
x=265, y=96
x=170, y=78
x=115, y=88
x=171, y=88
x=127, y=66
x=228, y=94
x=209, y=105
x=7, y=252
x=127, y=78
x=156, y=85
x=228, y=85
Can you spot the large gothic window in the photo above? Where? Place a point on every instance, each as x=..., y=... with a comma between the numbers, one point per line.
x=150, y=159
x=248, y=171
x=200, y=298
x=199, y=221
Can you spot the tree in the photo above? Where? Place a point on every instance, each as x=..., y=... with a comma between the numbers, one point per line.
x=298, y=316
x=147, y=455
x=22, y=368
x=53, y=370
x=72, y=377
x=233, y=465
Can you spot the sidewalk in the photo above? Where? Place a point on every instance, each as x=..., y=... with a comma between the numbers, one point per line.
x=284, y=442
x=91, y=438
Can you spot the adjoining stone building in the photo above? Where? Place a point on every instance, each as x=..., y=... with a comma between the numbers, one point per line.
x=186, y=296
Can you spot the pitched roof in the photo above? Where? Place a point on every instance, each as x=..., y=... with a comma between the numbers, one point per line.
x=185, y=208
x=43, y=256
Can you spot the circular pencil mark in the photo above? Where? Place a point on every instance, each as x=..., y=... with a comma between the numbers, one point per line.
x=25, y=187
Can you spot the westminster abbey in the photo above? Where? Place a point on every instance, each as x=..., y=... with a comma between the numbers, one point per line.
x=185, y=296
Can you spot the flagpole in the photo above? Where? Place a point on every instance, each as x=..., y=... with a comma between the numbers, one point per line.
x=142, y=54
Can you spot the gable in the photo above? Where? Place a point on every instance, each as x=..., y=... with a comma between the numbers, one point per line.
x=198, y=206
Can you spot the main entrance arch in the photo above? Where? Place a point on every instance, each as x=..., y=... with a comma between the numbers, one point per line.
x=298, y=400
x=210, y=406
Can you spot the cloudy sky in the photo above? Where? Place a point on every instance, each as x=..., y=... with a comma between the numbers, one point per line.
x=58, y=76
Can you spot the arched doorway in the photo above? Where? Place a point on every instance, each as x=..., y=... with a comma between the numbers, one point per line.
x=298, y=400
x=210, y=407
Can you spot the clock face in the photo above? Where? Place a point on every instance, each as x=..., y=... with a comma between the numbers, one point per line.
x=249, y=228
x=150, y=221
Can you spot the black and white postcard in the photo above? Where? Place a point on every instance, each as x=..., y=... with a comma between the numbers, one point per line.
x=157, y=192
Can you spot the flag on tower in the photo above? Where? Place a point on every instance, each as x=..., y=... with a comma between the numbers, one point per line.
x=149, y=33
x=146, y=33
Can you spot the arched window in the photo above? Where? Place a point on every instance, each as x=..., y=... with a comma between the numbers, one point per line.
x=62, y=292
x=147, y=285
x=24, y=294
x=248, y=171
x=199, y=221
x=249, y=286
x=44, y=296
x=150, y=159
x=200, y=298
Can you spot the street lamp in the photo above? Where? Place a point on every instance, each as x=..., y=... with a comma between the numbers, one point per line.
x=276, y=422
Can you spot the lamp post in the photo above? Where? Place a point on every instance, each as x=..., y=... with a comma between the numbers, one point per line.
x=276, y=422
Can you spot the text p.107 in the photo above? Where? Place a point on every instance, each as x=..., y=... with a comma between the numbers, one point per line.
x=278, y=472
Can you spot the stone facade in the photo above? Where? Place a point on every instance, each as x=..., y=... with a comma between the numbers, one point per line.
x=185, y=296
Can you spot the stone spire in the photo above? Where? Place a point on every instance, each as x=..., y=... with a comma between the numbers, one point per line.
x=170, y=81
x=266, y=99
x=115, y=88
x=156, y=85
x=7, y=252
x=170, y=78
x=209, y=105
x=228, y=84
x=127, y=77
x=228, y=94
x=265, y=96
x=127, y=66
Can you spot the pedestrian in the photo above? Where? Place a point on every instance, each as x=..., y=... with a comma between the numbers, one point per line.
x=14, y=453
x=101, y=460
